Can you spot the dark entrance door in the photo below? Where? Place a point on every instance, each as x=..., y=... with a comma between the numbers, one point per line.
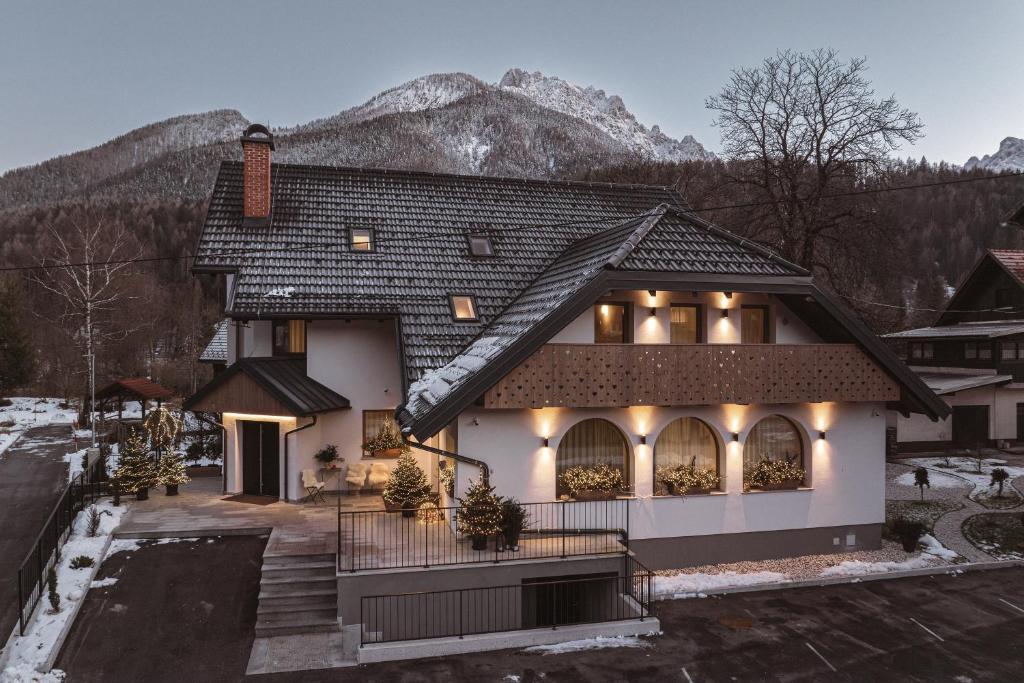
x=970, y=425
x=576, y=599
x=260, y=473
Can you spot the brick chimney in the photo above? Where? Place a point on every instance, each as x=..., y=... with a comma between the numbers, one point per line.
x=257, y=143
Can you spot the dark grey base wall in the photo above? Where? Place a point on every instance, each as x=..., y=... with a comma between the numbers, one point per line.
x=351, y=587
x=690, y=551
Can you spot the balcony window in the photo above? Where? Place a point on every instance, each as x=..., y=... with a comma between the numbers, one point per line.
x=591, y=443
x=612, y=323
x=754, y=324
x=970, y=350
x=774, y=438
x=463, y=307
x=362, y=239
x=686, y=443
x=480, y=245
x=289, y=337
x=685, y=324
x=1010, y=350
x=926, y=351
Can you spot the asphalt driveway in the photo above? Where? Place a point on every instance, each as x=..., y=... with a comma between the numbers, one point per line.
x=32, y=475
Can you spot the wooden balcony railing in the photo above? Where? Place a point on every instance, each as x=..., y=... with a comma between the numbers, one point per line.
x=611, y=375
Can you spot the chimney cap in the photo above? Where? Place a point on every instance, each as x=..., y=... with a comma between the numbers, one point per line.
x=257, y=132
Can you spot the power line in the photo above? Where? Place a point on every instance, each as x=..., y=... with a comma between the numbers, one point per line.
x=506, y=230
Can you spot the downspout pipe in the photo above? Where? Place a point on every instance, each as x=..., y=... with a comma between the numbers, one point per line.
x=485, y=471
x=286, y=462
x=223, y=444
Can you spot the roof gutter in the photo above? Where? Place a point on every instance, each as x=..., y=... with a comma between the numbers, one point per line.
x=286, y=435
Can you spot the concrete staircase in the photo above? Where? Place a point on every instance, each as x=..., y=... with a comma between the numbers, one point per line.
x=298, y=594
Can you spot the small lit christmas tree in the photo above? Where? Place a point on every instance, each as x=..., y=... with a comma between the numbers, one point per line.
x=407, y=486
x=162, y=429
x=135, y=471
x=171, y=471
x=479, y=514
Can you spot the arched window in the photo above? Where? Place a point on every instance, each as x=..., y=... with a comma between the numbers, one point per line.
x=685, y=457
x=589, y=444
x=775, y=440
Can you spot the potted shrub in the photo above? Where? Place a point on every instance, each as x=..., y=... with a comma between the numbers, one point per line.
x=776, y=475
x=514, y=518
x=406, y=487
x=479, y=514
x=171, y=472
x=328, y=457
x=387, y=444
x=596, y=482
x=909, y=532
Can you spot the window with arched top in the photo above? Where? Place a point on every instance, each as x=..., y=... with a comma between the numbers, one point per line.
x=593, y=445
x=686, y=458
x=773, y=455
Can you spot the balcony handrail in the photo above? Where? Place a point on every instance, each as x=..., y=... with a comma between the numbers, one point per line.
x=571, y=528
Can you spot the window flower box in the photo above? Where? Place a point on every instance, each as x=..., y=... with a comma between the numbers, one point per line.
x=594, y=494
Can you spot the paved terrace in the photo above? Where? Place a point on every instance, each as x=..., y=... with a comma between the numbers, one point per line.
x=377, y=540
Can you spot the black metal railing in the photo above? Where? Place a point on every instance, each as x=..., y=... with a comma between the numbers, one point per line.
x=379, y=539
x=84, y=488
x=517, y=607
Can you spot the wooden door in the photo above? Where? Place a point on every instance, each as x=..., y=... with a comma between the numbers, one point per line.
x=970, y=426
x=260, y=462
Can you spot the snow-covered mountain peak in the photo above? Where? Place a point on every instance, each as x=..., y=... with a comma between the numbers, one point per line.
x=427, y=92
x=1009, y=158
x=606, y=112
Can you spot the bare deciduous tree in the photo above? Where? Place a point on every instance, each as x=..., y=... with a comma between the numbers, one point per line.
x=86, y=271
x=801, y=127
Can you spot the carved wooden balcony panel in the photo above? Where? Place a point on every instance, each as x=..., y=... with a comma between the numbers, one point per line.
x=611, y=375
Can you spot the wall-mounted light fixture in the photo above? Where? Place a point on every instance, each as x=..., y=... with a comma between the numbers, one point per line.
x=735, y=436
x=643, y=439
x=728, y=295
x=544, y=441
x=725, y=312
x=654, y=311
x=821, y=435
x=652, y=292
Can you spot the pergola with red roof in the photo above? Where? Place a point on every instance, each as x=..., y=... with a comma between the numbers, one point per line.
x=131, y=389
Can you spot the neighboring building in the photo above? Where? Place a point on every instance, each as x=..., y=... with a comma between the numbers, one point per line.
x=973, y=357
x=216, y=351
x=515, y=328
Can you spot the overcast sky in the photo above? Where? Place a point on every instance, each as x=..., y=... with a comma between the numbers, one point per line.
x=75, y=74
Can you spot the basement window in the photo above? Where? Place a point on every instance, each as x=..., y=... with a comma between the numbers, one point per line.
x=362, y=239
x=480, y=245
x=463, y=307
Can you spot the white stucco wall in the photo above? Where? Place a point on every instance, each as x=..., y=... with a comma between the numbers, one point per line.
x=648, y=329
x=1002, y=415
x=232, y=447
x=846, y=471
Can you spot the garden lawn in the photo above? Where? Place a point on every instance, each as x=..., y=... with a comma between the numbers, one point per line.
x=999, y=534
x=927, y=512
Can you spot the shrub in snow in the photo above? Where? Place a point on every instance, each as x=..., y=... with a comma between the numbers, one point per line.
x=81, y=562
x=51, y=586
x=94, y=520
x=909, y=531
x=921, y=480
x=999, y=477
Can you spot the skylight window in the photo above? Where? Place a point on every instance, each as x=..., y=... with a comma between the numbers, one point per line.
x=480, y=245
x=463, y=307
x=362, y=239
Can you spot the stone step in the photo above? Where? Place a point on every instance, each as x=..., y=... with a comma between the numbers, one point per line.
x=297, y=624
x=300, y=586
x=300, y=601
x=300, y=571
x=287, y=614
x=292, y=560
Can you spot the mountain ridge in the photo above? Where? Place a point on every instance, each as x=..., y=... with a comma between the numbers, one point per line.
x=1008, y=158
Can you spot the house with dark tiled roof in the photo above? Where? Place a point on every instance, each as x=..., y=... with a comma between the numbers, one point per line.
x=973, y=358
x=644, y=383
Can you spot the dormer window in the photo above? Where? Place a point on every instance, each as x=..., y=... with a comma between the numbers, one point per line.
x=362, y=239
x=463, y=307
x=480, y=245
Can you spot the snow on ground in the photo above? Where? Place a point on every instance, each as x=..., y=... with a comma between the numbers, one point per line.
x=967, y=468
x=25, y=412
x=935, y=480
x=932, y=554
x=698, y=584
x=598, y=643
x=29, y=652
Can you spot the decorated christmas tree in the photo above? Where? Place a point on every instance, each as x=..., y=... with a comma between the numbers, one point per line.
x=162, y=429
x=171, y=471
x=407, y=486
x=135, y=471
x=479, y=513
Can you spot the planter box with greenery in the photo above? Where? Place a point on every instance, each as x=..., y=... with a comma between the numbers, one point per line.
x=597, y=482
x=775, y=475
x=387, y=444
x=681, y=480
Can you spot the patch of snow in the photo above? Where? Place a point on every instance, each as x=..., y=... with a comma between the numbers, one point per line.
x=25, y=412
x=935, y=480
x=29, y=652
x=933, y=547
x=103, y=583
x=285, y=292
x=23, y=673
x=699, y=584
x=598, y=643
x=968, y=469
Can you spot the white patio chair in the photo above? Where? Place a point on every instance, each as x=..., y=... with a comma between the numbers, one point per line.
x=314, y=487
x=355, y=476
x=379, y=473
